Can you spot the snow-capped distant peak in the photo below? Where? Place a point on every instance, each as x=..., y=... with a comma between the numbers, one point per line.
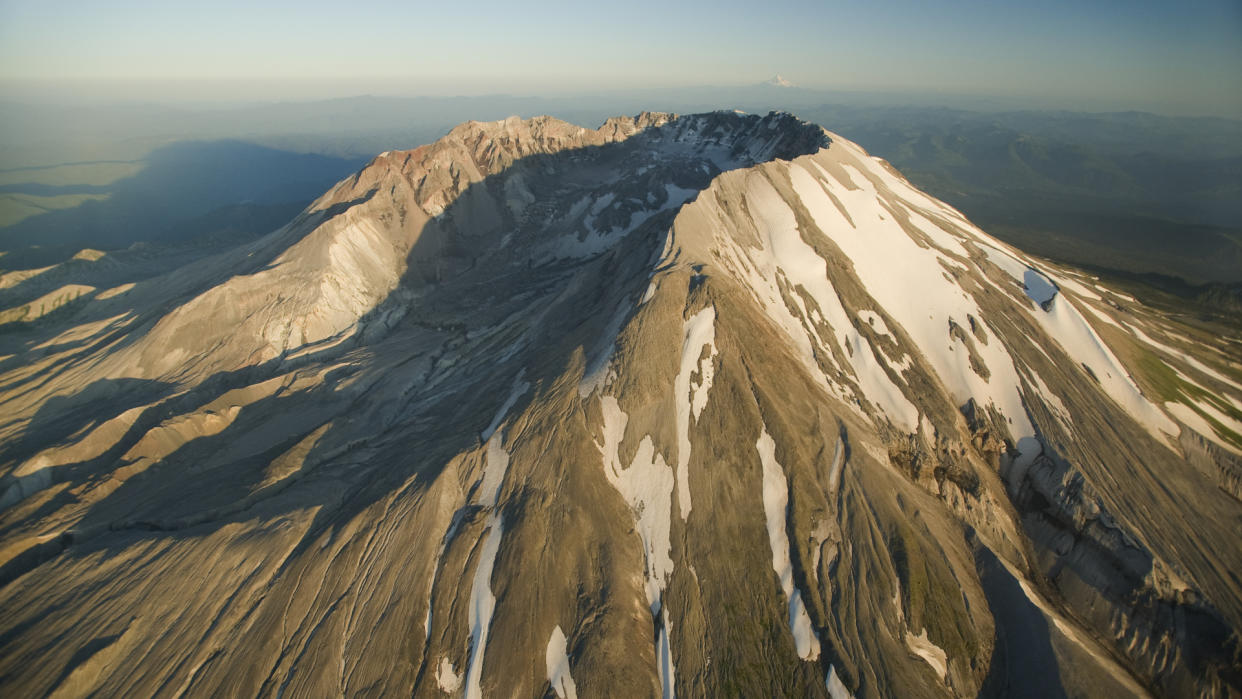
x=777, y=81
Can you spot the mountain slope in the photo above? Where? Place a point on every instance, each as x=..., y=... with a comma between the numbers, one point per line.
x=714, y=404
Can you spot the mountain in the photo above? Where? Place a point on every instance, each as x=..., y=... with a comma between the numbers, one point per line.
x=704, y=405
x=777, y=81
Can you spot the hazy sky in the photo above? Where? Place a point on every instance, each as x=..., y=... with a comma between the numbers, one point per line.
x=1185, y=55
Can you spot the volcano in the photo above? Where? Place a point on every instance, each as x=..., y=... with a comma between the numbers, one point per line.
x=705, y=405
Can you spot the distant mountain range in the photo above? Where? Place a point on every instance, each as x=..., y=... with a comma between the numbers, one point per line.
x=1127, y=193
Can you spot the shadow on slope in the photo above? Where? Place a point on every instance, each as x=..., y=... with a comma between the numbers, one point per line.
x=65, y=417
x=1024, y=665
x=152, y=286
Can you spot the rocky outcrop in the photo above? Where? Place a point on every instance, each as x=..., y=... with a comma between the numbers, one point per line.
x=1209, y=457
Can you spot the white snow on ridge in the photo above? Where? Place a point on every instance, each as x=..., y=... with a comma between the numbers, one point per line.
x=482, y=601
x=775, y=509
x=1068, y=282
x=1079, y=340
x=898, y=186
x=937, y=234
x=558, y=666
x=700, y=332
x=907, y=281
x=1215, y=413
x=760, y=281
x=649, y=293
x=1062, y=321
x=482, y=605
x=690, y=399
x=1196, y=422
x=1051, y=399
x=800, y=263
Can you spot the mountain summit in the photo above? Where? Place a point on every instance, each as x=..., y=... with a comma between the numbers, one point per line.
x=777, y=81
x=694, y=405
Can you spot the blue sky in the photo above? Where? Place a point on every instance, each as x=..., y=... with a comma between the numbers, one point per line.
x=1186, y=55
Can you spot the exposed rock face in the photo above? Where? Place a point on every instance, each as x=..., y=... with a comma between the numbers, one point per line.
x=702, y=405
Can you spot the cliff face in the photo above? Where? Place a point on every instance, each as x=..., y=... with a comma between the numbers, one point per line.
x=713, y=404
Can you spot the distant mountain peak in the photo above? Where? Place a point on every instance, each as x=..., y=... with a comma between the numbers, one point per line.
x=777, y=81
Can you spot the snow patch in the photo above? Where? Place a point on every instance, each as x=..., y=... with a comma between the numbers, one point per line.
x=558, y=666
x=838, y=466
x=775, y=509
x=691, y=398
x=1102, y=316
x=664, y=659
x=759, y=271
x=935, y=656
x=482, y=605
x=676, y=196
x=590, y=245
x=649, y=293
x=1080, y=341
x=602, y=203
x=578, y=208
x=495, y=466
x=836, y=689
x=647, y=487
x=447, y=677
x=1067, y=281
x=1196, y=422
